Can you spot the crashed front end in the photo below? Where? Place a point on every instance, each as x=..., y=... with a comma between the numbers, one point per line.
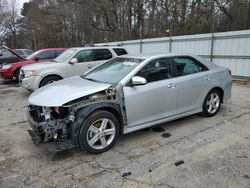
x=51, y=127
x=54, y=128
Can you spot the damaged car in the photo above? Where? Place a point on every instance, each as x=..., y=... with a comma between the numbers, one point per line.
x=123, y=95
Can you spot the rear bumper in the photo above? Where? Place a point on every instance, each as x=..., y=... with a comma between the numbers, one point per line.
x=227, y=92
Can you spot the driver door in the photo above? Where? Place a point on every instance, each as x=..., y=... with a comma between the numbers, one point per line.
x=157, y=99
x=84, y=60
x=87, y=59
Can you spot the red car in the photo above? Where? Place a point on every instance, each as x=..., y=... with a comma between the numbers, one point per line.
x=11, y=70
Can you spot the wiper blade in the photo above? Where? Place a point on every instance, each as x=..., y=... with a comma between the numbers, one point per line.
x=91, y=79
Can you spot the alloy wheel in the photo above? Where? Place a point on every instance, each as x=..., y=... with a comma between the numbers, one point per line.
x=101, y=133
x=213, y=103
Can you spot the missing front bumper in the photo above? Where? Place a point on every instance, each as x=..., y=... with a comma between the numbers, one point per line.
x=53, y=146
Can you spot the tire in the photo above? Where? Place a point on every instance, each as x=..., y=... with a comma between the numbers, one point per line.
x=49, y=80
x=16, y=74
x=212, y=103
x=92, y=137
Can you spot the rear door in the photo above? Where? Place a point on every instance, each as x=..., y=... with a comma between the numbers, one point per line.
x=100, y=55
x=193, y=81
x=155, y=100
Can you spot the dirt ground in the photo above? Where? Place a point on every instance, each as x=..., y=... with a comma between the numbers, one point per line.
x=189, y=152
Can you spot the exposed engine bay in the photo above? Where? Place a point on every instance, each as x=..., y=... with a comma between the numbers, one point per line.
x=55, y=125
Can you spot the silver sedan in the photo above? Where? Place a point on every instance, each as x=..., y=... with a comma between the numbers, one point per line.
x=123, y=95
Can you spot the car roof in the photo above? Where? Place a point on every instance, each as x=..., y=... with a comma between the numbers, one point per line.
x=96, y=47
x=155, y=55
x=162, y=55
x=22, y=49
x=53, y=49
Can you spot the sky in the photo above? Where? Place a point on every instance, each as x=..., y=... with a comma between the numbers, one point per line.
x=20, y=4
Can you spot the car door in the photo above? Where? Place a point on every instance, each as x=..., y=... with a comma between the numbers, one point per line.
x=193, y=81
x=156, y=99
x=87, y=59
x=84, y=59
x=99, y=56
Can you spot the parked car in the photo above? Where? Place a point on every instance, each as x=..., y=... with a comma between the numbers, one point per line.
x=24, y=52
x=7, y=55
x=11, y=70
x=123, y=95
x=74, y=61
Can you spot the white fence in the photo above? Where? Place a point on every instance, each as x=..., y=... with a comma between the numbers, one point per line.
x=228, y=49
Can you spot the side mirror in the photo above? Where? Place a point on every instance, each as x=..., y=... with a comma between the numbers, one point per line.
x=1, y=54
x=137, y=81
x=37, y=58
x=73, y=61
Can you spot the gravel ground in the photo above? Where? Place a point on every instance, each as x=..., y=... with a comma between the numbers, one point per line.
x=189, y=152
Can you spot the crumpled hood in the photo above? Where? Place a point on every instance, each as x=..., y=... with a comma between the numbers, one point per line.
x=66, y=90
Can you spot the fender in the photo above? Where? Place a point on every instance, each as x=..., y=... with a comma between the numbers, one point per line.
x=82, y=113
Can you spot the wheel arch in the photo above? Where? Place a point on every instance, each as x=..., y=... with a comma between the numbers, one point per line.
x=220, y=90
x=49, y=75
x=84, y=112
x=15, y=71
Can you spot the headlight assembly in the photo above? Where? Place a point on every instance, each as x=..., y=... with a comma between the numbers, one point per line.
x=6, y=66
x=29, y=73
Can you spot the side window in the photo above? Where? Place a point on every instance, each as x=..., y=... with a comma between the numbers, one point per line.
x=47, y=55
x=158, y=69
x=29, y=52
x=120, y=51
x=102, y=54
x=186, y=65
x=6, y=53
x=59, y=52
x=20, y=52
x=84, y=56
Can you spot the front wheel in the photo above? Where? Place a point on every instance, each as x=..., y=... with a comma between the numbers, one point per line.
x=49, y=80
x=99, y=132
x=212, y=103
x=16, y=74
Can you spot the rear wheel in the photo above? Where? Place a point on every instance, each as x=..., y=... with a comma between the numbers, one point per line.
x=99, y=132
x=212, y=103
x=49, y=80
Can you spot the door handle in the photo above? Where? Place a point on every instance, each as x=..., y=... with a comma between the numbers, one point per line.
x=207, y=77
x=171, y=85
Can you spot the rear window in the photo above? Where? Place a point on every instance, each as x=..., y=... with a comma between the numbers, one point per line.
x=120, y=51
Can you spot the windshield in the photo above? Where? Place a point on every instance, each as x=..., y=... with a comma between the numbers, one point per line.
x=33, y=55
x=113, y=70
x=65, y=55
